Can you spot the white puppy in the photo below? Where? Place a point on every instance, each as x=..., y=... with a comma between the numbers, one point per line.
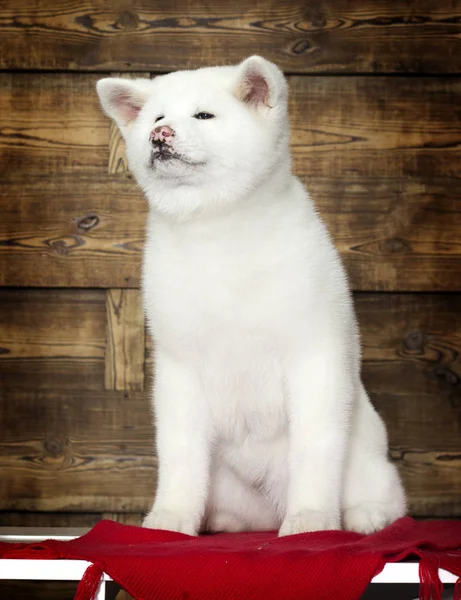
x=262, y=419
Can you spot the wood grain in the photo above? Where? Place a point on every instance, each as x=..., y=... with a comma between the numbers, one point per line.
x=335, y=36
x=52, y=339
x=51, y=124
x=125, y=340
x=394, y=234
x=124, y=518
x=71, y=230
x=380, y=156
x=412, y=348
x=44, y=519
x=412, y=370
x=118, y=164
x=89, y=452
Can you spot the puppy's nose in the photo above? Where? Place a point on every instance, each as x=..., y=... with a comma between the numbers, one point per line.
x=161, y=133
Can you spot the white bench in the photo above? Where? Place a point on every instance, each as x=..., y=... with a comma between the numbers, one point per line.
x=73, y=570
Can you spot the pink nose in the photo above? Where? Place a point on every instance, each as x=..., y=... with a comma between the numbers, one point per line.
x=161, y=133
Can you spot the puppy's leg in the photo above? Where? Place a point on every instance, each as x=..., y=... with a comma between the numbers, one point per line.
x=373, y=494
x=320, y=394
x=183, y=446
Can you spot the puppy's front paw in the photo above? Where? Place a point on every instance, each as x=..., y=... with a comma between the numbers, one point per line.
x=309, y=520
x=171, y=521
x=370, y=516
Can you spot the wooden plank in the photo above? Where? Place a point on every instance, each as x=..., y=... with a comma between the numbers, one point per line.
x=76, y=451
x=125, y=340
x=394, y=234
x=356, y=126
x=38, y=590
x=335, y=36
x=43, y=519
x=412, y=370
x=52, y=339
x=412, y=348
x=51, y=323
x=375, y=127
x=74, y=231
x=379, y=155
x=51, y=124
x=124, y=518
x=432, y=481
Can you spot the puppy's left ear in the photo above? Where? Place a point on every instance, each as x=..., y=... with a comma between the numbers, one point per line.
x=260, y=83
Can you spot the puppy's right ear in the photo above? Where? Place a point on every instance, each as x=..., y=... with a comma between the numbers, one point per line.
x=260, y=83
x=122, y=99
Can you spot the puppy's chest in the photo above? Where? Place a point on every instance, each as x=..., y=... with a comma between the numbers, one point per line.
x=222, y=312
x=218, y=296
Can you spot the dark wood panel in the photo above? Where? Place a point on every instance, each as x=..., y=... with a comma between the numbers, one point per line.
x=412, y=370
x=51, y=124
x=52, y=339
x=394, y=234
x=38, y=590
x=375, y=126
x=380, y=156
x=76, y=452
x=45, y=519
x=64, y=519
x=412, y=352
x=318, y=36
x=71, y=230
x=48, y=374
x=356, y=126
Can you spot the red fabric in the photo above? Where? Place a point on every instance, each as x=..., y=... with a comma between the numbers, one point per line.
x=162, y=565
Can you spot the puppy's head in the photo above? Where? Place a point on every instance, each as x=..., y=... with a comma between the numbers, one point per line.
x=200, y=138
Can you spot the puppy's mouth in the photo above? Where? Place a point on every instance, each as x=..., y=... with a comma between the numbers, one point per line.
x=164, y=154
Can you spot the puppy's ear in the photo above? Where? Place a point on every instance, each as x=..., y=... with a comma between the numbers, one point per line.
x=122, y=99
x=260, y=83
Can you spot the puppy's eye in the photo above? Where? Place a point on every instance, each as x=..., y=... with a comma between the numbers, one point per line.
x=158, y=118
x=203, y=115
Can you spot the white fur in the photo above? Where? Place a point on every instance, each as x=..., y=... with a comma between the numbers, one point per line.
x=262, y=419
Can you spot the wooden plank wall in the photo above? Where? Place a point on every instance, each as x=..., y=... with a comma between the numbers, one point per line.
x=376, y=137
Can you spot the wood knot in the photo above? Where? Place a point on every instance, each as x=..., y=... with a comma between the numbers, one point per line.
x=53, y=446
x=60, y=247
x=128, y=20
x=88, y=222
x=63, y=246
x=414, y=341
x=85, y=21
x=301, y=46
x=446, y=375
x=396, y=246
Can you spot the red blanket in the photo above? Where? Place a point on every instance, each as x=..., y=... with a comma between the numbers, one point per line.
x=162, y=565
